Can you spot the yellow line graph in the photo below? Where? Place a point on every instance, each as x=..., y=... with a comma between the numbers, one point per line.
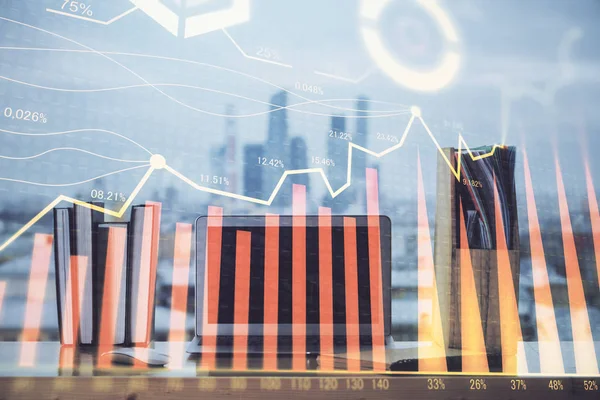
x=158, y=162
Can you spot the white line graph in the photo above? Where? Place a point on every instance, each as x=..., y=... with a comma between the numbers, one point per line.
x=118, y=17
x=158, y=162
x=71, y=149
x=74, y=183
x=252, y=57
x=274, y=107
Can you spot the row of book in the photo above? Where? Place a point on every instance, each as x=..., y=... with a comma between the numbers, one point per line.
x=106, y=275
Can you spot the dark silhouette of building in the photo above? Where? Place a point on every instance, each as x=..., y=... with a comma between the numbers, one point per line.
x=359, y=159
x=253, y=171
x=299, y=160
x=337, y=150
x=277, y=147
x=231, y=148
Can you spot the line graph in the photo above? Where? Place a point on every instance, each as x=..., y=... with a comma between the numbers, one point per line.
x=83, y=18
x=158, y=162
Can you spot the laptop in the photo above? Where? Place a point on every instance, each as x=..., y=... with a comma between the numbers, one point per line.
x=266, y=246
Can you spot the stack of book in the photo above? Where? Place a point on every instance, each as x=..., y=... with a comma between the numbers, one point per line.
x=106, y=275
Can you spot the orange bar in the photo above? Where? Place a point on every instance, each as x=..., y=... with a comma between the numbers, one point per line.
x=241, y=300
x=583, y=342
x=40, y=262
x=351, y=278
x=299, y=277
x=271, y=300
x=551, y=360
x=115, y=257
x=375, y=277
x=66, y=359
x=432, y=358
x=147, y=281
x=594, y=215
x=510, y=324
x=156, y=211
x=325, y=289
x=213, y=261
x=78, y=270
x=212, y=284
x=473, y=345
x=142, y=314
x=179, y=293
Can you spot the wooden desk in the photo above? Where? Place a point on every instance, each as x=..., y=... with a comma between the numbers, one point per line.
x=48, y=380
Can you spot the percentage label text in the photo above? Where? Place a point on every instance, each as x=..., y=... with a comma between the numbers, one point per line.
x=435, y=384
x=518, y=384
x=108, y=196
x=214, y=179
x=340, y=135
x=323, y=161
x=477, y=384
x=555, y=384
x=25, y=115
x=270, y=162
x=305, y=87
x=77, y=8
x=387, y=138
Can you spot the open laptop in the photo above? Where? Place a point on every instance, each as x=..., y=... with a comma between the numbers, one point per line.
x=218, y=319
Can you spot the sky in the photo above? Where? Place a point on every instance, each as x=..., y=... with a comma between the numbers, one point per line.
x=529, y=75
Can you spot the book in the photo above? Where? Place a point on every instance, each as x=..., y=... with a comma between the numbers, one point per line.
x=110, y=283
x=62, y=254
x=82, y=238
x=143, y=238
x=474, y=195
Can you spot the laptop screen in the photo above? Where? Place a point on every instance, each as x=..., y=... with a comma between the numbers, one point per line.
x=345, y=241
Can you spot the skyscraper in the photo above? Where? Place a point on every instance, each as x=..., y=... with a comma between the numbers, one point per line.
x=253, y=172
x=359, y=160
x=277, y=147
x=337, y=150
x=217, y=163
x=231, y=148
x=299, y=160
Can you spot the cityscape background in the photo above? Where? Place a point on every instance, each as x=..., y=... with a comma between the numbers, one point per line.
x=229, y=144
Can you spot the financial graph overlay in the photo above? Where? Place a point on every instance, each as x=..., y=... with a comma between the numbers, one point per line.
x=173, y=179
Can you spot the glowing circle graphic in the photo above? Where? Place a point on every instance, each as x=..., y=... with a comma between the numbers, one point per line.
x=418, y=80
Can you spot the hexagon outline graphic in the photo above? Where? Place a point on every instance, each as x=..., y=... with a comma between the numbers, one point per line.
x=199, y=24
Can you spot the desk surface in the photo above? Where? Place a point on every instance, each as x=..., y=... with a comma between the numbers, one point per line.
x=52, y=376
x=50, y=359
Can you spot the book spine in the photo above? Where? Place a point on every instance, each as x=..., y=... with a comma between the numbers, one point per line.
x=61, y=265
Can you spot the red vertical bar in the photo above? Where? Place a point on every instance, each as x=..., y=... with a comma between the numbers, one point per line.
x=375, y=277
x=551, y=360
x=299, y=277
x=179, y=293
x=271, y=301
x=156, y=211
x=147, y=282
x=241, y=300
x=431, y=358
x=325, y=289
x=212, y=284
x=40, y=262
x=594, y=215
x=73, y=304
x=474, y=355
x=351, y=278
x=510, y=326
x=115, y=257
x=78, y=270
x=583, y=341
x=213, y=261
